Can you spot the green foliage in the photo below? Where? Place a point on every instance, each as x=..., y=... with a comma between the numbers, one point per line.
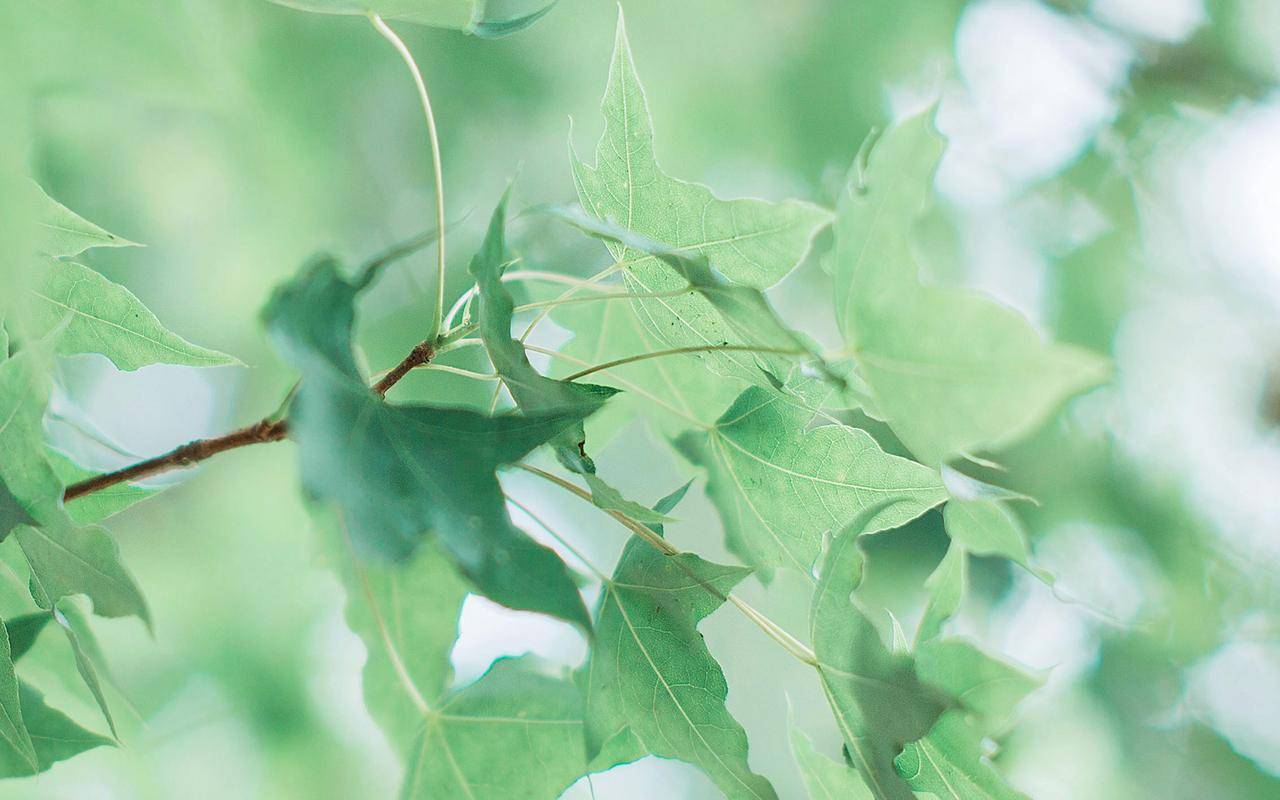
x=802, y=450
x=400, y=473
x=917, y=343
x=780, y=485
x=651, y=686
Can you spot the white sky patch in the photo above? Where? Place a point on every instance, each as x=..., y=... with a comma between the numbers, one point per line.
x=487, y=631
x=1226, y=187
x=1237, y=690
x=1037, y=86
x=1162, y=20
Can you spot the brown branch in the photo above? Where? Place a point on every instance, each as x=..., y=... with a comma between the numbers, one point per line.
x=261, y=432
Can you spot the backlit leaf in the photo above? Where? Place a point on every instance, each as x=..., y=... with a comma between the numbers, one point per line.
x=15, y=743
x=953, y=371
x=62, y=232
x=949, y=763
x=825, y=779
x=470, y=16
x=86, y=313
x=651, y=685
x=780, y=485
x=515, y=734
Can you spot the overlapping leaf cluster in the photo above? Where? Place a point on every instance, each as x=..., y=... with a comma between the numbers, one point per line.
x=412, y=513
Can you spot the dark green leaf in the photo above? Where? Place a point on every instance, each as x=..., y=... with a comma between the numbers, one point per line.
x=398, y=474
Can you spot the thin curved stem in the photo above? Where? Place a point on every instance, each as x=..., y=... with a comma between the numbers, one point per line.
x=599, y=276
x=771, y=629
x=399, y=45
x=465, y=373
x=628, y=385
x=703, y=348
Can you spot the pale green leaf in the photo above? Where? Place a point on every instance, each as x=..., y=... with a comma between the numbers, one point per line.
x=55, y=736
x=986, y=686
x=407, y=616
x=825, y=779
x=988, y=527
x=953, y=371
x=64, y=559
x=949, y=763
x=84, y=648
x=471, y=16
x=62, y=232
x=86, y=313
x=651, y=685
x=752, y=243
x=15, y=742
x=515, y=734
x=946, y=587
x=533, y=392
x=24, y=630
x=879, y=701
x=12, y=512
x=780, y=485
x=400, y=473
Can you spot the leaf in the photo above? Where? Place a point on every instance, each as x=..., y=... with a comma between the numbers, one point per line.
x=65, y=559
x=949, y=764
x=12, y=512
x=62, y=232
x=752, y=243
x=15, y=742
x=402, y=473
x=103, y=503
x=986, y=686
x=880, y=702
x=515, y=734
x=84, y=647
x=55, y=736
x=610, y=499
x=987, y=527
x=825, y=779
x=954, y=371
x=946, y=587
x=470, y=16
x=690, y=393
x=779, y=486
x=651, y=685
x=532, y=391
x=24, y=630
x=86, y=313
x=406, y=614
x=732, y=314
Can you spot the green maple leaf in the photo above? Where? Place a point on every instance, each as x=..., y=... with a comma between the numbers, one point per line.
x=15, y=743
x=62, y=232
x=515, y=734
x=825, y=779
x=86, y=652
x=780, y=485
x=949, y=763
x=987, y=687
x=401, y=473
x=879, y=700
x=752, y=243
x=470, y=16
x=946, y=587
x=64, y=559
x=532, y=391
x=56, y=736
x=406, y=614
x=953, y=371
x=988, y=527
x=651, y=685
x=86, y=313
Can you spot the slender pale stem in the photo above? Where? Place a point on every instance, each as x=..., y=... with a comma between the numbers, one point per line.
x=703, y=348
x=466, y=373
x=772, y=629
x=564, y=301
x=628, y=385
x=399, y=45
x=599, y=276
x=542, y=523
